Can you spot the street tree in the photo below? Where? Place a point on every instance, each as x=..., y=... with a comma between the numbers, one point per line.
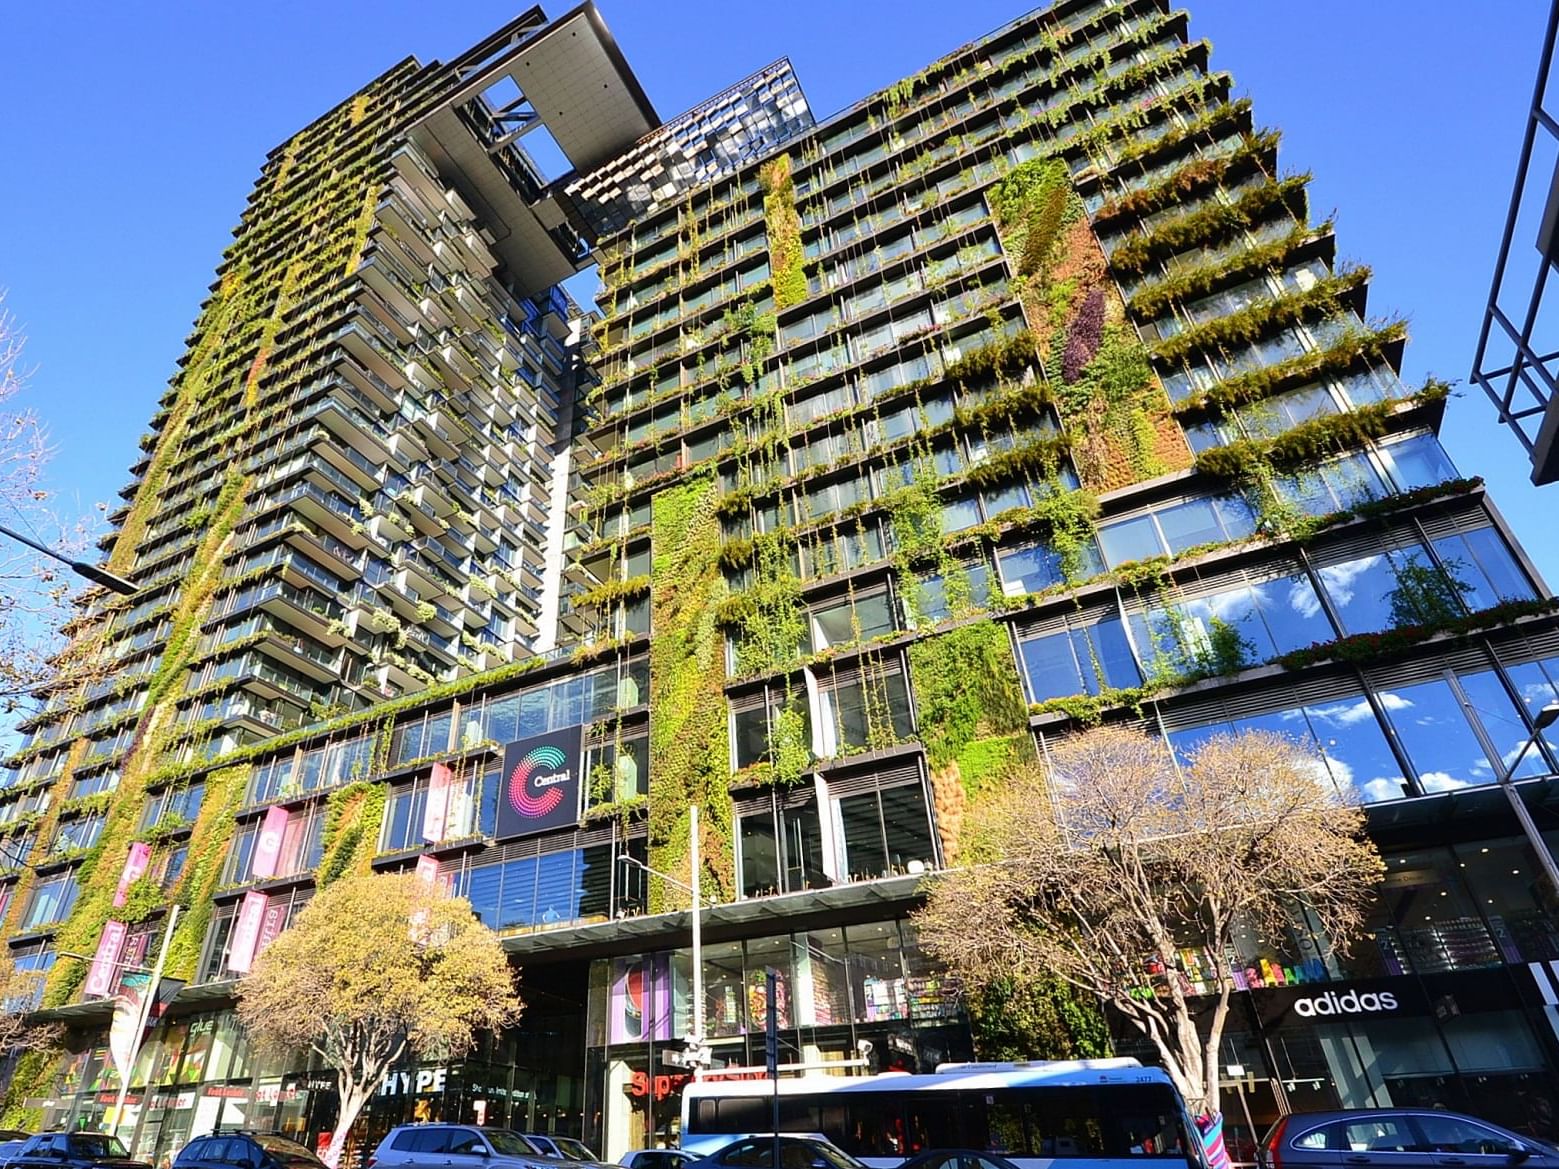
x=19, y=1031
x=373, y=968
x=1103, y=864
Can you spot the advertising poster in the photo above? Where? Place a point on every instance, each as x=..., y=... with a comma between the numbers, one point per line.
x=135, y=868
x=435, y=814
x=246, y=932
x=640, y=1002
x=267, y=848
x=124, y=1033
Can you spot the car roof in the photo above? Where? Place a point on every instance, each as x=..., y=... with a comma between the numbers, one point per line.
x=1302, y=1122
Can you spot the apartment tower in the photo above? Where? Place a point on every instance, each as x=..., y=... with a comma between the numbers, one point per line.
x=1025, y=394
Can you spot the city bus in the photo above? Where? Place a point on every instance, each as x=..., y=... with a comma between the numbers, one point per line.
x=1109, y=1113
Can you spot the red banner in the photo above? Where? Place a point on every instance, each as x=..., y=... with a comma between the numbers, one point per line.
x=246, y=932
x=103, y=975
x=135, y=868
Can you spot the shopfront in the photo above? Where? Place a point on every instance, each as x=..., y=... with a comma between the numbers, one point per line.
x=197, y=1072
x=1447, y=1000
x=851, y=998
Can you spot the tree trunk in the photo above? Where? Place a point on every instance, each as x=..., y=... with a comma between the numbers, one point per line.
x=353, y=1097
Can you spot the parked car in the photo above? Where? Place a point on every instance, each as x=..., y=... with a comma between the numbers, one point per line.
x=563, y=1148
x=459, y=1146
x=245, y=1150
x=757, y=1152
x=11, y=1142
x=655, y=1159
x=957, y=1159
x=74, y=1150
x=1401, y=1138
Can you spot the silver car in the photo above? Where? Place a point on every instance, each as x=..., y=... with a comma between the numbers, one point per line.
x=459, y=1146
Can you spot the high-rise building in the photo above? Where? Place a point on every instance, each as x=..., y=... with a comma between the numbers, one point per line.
x=1021, y=395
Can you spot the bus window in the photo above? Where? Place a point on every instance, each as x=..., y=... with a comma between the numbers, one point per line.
x=797, y=1114
x=1063, y=1122
x=1145, y=1121
x=933, y=1121
x=743, y=1114
x=1004, y=1123
x=874, y=1125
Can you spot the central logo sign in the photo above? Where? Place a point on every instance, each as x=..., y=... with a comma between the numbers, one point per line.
x=540, y=783
x=536, y=785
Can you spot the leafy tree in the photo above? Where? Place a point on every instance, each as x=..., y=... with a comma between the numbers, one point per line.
x=374, y=967
x=1101, y=871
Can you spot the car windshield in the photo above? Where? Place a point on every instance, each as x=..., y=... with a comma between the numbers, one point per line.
x=93, y=1144
x=285, y=1149
x=510, y=1144
x=572, y=1149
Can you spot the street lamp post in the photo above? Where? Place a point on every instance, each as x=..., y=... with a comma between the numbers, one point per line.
x=81, y=568
x=144, y=1012
x=695, y=1039
x=1545, y=718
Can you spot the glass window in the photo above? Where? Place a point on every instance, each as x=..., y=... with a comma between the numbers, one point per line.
x=1385, y=590
x=760, y=855
x=1291, y=612
x=1501, y=721
x=1483, y=569
x=1416, y=462
x=1434, y=731
x=1130, y=539
x=52, y=900
x=1452, y=1134
x=1353, y=747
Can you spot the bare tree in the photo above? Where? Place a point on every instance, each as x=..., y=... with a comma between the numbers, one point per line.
x=19, y=1032
x=1101, y=871
x=374, y=967
x=34, y=591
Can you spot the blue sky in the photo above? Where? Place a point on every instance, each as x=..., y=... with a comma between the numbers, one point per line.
x=133, y=134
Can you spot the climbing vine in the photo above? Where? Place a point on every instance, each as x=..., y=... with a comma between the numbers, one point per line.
x=972, y=717
x=787, y=269
x=353, y=817
x=689, y=739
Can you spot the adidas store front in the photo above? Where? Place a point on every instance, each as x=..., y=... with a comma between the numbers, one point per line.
x=1449, y=998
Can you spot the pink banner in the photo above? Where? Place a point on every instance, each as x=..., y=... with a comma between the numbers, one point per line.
x=103, y=975
x=267, y=848
x=246, y=932
x=429, y=870
x=272, y=924
x=135, y=868
x=435, y=815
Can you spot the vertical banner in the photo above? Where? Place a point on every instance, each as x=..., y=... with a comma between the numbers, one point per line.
x=124, y=1037
x=435, y=814
x=267, y=848
x=272, y=922
x=135, y=868
x=105, y=963
x=429, y=870
x=640, y=1003
x=246, y=932
x=541, y=783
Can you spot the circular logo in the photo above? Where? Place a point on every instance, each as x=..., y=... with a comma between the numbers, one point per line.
x=526, y=797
